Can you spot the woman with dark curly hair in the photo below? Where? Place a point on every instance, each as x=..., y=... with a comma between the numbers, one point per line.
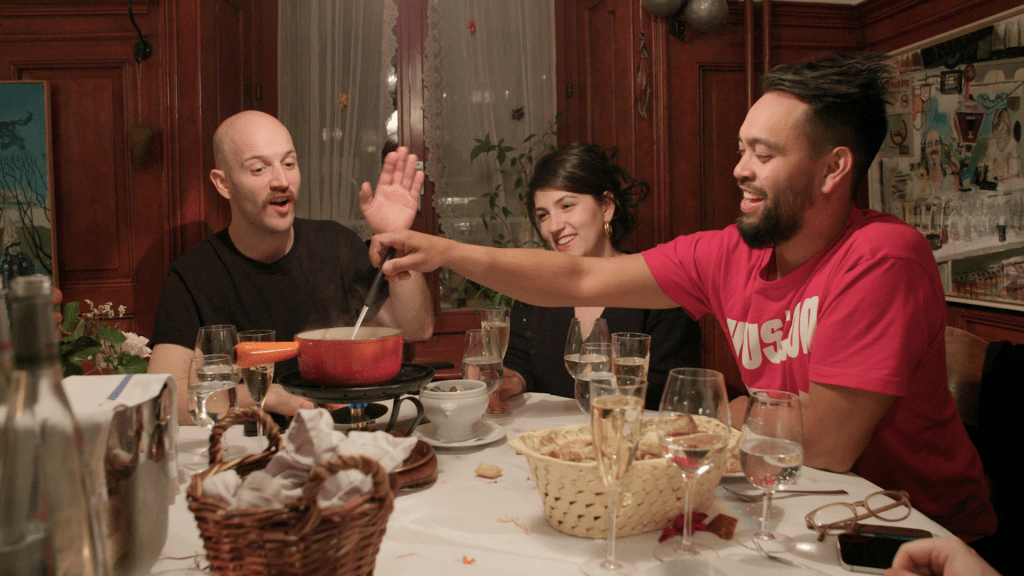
x=582, y=203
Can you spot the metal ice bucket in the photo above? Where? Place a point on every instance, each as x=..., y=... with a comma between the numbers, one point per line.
x=133, y=461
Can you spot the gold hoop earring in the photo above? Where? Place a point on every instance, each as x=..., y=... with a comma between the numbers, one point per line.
x=608, y=229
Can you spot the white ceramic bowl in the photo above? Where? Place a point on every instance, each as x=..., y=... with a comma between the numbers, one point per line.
x=454, y=413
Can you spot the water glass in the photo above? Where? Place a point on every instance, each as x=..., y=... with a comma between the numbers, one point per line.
x=481, y=360
x=771, y=454
x=211, y=387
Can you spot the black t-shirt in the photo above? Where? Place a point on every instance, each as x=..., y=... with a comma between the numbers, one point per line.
x=321, y=282
x=536, y=346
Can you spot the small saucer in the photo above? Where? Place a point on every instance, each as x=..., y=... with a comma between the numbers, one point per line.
x=483, y=433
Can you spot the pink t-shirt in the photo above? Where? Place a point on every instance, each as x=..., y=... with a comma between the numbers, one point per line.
x=873, y=305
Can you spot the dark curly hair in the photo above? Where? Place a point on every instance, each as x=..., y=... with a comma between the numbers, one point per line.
x=847, y=95
x=588, y=169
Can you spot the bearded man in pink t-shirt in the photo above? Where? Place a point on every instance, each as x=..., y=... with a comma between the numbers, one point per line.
x=843, y=306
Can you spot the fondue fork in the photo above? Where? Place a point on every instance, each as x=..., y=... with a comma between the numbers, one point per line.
x=372, y=294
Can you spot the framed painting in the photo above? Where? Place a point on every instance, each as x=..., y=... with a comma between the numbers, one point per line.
x=951, y=164
x=26, y=181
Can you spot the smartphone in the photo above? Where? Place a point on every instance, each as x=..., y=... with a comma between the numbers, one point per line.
x=871, y=547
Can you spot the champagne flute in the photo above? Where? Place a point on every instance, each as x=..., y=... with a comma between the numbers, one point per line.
x=595, y=362
x=582, y=331
x=771, y=454
x=616, y=420
x=497, y=318
x=210, y=382
x=481, y=360
x=221, y=339
x=699, y=394
x=631, y=354
x=258, y=378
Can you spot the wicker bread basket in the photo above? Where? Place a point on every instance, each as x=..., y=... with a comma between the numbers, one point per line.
x=653, y=492
x=301, y=538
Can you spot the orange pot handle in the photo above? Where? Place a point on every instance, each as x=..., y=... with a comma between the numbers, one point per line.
x=249, y=354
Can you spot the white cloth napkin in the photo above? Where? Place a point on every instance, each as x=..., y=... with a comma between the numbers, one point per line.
x=310, y=440
x=94, y=400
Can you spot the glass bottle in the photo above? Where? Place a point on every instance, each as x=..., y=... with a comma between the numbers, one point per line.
x=52, y=518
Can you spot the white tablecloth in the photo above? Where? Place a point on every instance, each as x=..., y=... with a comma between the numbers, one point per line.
x=433, y=528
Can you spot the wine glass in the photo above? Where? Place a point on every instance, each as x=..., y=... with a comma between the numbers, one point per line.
x=258, y=378
x=616, y=420
x=497, y=318
x=211, y=381
x=481, y=360
x=221, y=339
x=699, y=394
x=771, y=454
x=595, y=361
x=631, y=354
x=581, y=331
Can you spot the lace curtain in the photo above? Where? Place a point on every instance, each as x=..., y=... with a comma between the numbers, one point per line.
x=490, y=69
x=337, y=89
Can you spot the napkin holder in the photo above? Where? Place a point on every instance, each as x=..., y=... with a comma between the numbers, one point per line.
x=129, y=432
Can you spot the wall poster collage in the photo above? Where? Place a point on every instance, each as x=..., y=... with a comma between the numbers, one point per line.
x=951, y=165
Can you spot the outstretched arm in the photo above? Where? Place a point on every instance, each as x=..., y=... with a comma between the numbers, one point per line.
x=537, y=277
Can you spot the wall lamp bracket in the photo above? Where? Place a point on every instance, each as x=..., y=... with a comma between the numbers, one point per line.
x=142, y=48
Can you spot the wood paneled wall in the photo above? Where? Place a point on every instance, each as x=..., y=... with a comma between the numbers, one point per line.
x=686, y=146
x=118, y=228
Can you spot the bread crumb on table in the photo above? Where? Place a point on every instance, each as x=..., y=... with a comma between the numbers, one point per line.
x=490, y=471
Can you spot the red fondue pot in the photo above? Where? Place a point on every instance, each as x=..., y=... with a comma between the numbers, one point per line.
x=329, y=357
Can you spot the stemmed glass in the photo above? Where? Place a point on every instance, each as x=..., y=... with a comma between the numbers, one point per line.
x=698, y=393
x=616, y=420
x=771, y=454
x=481, y=360
x=497, y=319
x=211, y=383
x=221, y=339
x=631, y=354
x=595, y=362
x=582, y=331
x=258, y=378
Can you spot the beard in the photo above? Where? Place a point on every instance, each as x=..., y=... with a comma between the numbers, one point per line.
x=779, y=222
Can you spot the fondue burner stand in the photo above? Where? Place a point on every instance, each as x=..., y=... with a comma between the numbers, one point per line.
x=362, y=410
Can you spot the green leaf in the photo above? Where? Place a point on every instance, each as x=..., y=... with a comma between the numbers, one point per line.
x=528, y=138
x=71, y=313
x=133, y=365
x=71, y=368
x=112, y=335
x=501, y=155
x=506, y=212
x=519, y=183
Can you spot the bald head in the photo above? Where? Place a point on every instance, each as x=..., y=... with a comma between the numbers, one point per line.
x=241, y=131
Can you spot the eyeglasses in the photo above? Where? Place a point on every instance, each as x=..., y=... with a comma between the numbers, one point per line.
x=841, y=517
